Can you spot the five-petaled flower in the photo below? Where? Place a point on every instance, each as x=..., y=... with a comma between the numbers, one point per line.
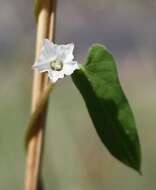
x=57, y=60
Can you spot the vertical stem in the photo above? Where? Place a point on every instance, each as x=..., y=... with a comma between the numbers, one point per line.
x=45, y=29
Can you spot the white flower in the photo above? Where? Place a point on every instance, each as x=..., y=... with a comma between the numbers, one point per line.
x=57, y=60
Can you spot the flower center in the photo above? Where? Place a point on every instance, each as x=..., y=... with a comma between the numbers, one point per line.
x=56, y=65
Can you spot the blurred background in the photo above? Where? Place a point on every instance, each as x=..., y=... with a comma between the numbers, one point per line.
x=74, y=158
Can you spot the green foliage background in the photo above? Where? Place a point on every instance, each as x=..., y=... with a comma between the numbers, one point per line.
x=74, y=156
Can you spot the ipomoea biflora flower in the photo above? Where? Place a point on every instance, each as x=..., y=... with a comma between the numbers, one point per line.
x=57, y=60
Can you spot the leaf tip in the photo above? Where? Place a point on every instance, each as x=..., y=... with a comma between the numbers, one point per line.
x=137, y=166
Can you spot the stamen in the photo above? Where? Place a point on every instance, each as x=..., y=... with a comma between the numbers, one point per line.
x=56, y=65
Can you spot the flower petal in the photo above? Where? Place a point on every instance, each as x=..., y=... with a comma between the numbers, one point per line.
x=69, y=68
x=41, y=67
x=48, y=52
x=65, y=52
x=55, y=75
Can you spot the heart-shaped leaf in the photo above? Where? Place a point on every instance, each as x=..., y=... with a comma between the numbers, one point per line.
x=98, y=83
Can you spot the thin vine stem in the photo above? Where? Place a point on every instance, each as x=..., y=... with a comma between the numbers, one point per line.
x=35, y=137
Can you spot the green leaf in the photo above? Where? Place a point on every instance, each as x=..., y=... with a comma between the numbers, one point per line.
x=98, y=83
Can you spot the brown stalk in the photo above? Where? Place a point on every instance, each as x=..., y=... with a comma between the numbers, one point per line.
x=45, y=29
